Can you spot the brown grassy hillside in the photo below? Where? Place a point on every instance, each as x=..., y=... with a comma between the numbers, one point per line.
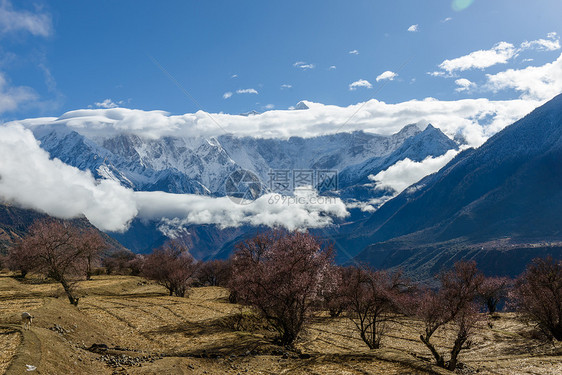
x=147, y=332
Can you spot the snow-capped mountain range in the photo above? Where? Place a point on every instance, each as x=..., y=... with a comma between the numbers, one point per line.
x=201, y=165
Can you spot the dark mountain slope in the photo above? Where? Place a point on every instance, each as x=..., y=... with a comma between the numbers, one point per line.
x=15, y=222
x=509, y=187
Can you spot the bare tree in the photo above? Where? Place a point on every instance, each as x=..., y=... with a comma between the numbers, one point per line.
x=172, y=266
x=371, y=297
x=538, y=295
x=94, y=245
x=214, y=272
x=21, y=258
x=492, y=291
x=123, y=261
x=58, y=249
x=333, y=294
x=281, y=274
x=454, y=303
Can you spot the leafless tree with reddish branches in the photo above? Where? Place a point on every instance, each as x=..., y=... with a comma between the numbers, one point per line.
x=172, y=266
x=123, y=261
x=333, y=294
x=538, y=295
x=58, y=249
x=282, y=275
x=454, y=303
x=214, y=272
x=371, y=302
x=492, y=291
x=94, y=245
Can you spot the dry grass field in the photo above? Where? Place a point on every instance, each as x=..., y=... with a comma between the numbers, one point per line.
x=148, y=332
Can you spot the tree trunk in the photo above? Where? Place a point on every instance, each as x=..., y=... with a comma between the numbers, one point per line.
x=89, y=269
x=455, y=353
x=68, y=290
x=438, y=358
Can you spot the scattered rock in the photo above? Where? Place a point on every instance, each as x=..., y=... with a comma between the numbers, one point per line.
x=60, y=329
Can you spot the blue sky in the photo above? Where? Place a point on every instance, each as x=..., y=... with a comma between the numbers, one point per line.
x=71, y=55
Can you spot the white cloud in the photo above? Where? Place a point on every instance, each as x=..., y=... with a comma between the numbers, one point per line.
x=247, y=91
x=303, y=65
x=31, y=179
x=270, y=106
x=360, y=83
x=414, y=28
x=447, y=19
x=234, y=76
x=407, y=172
x=332, y=67
x=534, y=82
x=552, y=43
x=107, y=103
x=11, y=97
x=227, y=95
x=500, y=53
x=387, y=75
x=37, y=24
x=476, y=119
x=354, y=52
x=184, y=209
x=286, y=86
x=464, y=85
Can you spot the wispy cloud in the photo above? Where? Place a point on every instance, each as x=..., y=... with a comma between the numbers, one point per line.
x=247, y=91
x=354, y=52
x=227, y=95
x=448, y=19
x=389, y=75
x=360, y=83
x=11, y=20
x=464, y=85
x=286, y=86
x=332, y=67
x=234, y=76
x=108, y=103
x=552, y=43
x=11, y=97
x=303, y=65
x=500, y=53
x=414, y=28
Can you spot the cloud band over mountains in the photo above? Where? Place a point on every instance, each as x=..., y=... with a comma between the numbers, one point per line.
x=29, y=178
